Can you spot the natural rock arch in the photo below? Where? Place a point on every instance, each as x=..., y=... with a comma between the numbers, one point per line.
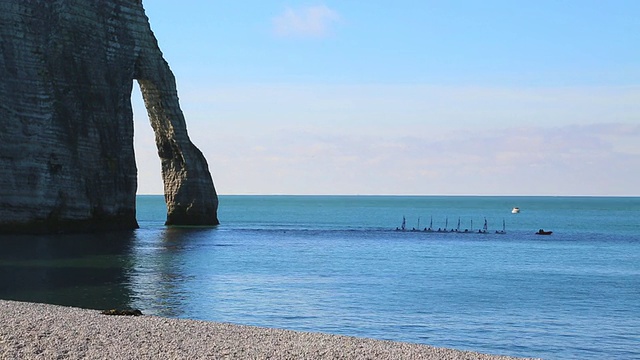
x=66, y=125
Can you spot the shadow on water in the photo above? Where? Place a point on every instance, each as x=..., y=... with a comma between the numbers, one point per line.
x=80, y=270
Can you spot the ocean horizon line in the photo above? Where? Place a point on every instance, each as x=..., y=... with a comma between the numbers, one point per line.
x=426, y=195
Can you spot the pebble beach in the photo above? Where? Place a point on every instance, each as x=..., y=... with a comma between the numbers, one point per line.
x=41, y=331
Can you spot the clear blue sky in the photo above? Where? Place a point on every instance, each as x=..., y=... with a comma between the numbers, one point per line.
x=405, y=97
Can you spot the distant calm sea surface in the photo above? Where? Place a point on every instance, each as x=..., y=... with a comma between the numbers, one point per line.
x=335, y=264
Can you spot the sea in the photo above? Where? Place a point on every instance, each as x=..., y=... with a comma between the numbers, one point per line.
x=343, y=265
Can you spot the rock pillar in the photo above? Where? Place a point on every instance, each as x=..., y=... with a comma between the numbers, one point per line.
x=66, y=126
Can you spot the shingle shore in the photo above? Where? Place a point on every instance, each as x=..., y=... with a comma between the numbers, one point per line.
x=41, y=331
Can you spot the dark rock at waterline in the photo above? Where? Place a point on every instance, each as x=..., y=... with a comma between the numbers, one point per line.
x=66, y=123
x=126, y=312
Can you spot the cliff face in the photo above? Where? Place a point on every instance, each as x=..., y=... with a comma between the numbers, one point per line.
x=66, y=125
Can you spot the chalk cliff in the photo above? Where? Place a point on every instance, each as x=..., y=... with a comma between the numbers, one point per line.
x=66, y=125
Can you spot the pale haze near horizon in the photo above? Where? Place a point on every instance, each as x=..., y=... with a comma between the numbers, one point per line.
x=404, y=97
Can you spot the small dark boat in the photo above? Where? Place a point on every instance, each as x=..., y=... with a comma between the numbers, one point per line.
x=542, y=232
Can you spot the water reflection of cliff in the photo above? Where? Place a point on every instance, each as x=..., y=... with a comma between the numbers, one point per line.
x=82, y=270
x=160, y=278
x=148, y=269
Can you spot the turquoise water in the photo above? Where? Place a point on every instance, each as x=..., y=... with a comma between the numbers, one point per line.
x=336, y=265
